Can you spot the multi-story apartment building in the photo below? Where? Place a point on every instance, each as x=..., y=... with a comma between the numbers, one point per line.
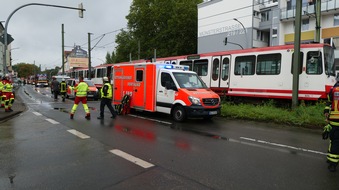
x=259, y=23
x=226, y=24
x=329, y=22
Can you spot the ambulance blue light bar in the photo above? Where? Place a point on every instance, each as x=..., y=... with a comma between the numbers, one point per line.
x=177, y=67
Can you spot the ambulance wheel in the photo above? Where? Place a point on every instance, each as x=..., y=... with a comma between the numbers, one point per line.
x=179, y=113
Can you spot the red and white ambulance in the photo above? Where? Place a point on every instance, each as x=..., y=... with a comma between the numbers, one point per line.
x=171, y=89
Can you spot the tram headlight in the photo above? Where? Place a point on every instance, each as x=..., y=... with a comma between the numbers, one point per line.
x=194, y=100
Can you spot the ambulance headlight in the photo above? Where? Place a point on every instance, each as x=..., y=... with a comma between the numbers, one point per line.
x=194, y=100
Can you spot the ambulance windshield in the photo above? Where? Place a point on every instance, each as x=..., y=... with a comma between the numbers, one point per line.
x=189, y=80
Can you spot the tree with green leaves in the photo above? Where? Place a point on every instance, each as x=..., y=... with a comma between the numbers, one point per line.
x=170, y=27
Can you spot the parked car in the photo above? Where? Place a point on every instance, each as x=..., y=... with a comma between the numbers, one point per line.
x=93, y=91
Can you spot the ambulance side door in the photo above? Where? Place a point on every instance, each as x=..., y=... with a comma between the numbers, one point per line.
x=118, y=89
x=139, y=91
x=166, y=90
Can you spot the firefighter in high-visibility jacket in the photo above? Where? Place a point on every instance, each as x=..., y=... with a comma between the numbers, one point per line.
x=7, y=92
x=331, y=130
x=2, y=103
x=81, y=96
x=63, y=89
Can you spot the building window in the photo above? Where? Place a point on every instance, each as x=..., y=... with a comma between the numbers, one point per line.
x=336, y=20
x=274, y=32
x=305, y=24
x=265, y=16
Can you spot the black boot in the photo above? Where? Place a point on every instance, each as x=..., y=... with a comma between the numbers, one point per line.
x=332, y=167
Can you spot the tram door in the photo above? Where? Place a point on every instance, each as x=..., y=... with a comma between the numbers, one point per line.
x=220, y=71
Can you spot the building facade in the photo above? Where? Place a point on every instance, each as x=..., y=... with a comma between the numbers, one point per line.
x=226, y=24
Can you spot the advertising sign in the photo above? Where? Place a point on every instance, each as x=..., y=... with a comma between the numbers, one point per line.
x=77, y=62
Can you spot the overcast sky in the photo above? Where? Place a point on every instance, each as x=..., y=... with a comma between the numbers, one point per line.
x=37, y=29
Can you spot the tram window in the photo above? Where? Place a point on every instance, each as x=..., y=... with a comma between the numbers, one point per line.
x=301, y=62
x=225, y=68
x=187, y=63
x=314, y=63
x=244, y=65
x=101, y=73
x=92, y=73
x=269, y=64
x=139, y=75
x=215, y=69
x=201, y=67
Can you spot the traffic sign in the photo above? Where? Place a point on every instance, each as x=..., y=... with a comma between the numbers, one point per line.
x=9, y=39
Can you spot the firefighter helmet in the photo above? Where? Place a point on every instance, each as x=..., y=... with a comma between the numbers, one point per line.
x=105, y=79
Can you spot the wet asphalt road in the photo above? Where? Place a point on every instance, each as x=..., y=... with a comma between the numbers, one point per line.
x=40, y=151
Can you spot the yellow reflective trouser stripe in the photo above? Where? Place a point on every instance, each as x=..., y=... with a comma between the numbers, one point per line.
x=74, y=108
x=85, y=108
x=334, y=123
x=333, y=157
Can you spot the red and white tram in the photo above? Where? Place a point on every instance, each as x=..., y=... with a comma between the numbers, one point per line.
x=258, y=72
x=264, y=72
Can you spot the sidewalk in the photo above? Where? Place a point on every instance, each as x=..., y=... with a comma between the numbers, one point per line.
x=18, y=107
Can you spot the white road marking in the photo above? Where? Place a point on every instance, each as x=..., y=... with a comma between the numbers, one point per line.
x=131, y=158
x=37, y=113
x=78, y=134
x=283, y=146
x=52, y=121
x=165, y=122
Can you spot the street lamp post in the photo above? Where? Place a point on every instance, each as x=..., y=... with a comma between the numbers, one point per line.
x=39, y=4
x=244, y=30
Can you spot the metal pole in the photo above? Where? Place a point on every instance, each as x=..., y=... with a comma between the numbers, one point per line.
x=62, y=49
x=244, y=31
x=318, y=20
x=89, y=56
x=9, y=17
x=296, y=57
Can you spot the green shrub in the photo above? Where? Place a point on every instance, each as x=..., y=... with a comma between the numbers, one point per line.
x=309, y=116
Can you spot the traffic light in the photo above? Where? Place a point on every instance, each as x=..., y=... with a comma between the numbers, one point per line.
x=81, y=11
x=225, y=41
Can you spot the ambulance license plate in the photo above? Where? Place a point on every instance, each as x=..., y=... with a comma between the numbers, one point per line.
x=213, y=112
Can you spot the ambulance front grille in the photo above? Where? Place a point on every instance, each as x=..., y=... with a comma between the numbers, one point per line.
x=210, y=101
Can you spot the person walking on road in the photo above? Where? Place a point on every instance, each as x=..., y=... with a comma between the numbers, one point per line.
x=55, y=87
x=106, y=99
x=81, y=96
x=63, y=89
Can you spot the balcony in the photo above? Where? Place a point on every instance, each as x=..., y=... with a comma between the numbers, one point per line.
x=307, y=9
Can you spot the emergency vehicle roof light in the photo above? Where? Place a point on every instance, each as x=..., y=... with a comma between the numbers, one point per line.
x=168, y=66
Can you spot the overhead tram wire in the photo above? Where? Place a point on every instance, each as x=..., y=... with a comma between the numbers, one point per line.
x=103, y=35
